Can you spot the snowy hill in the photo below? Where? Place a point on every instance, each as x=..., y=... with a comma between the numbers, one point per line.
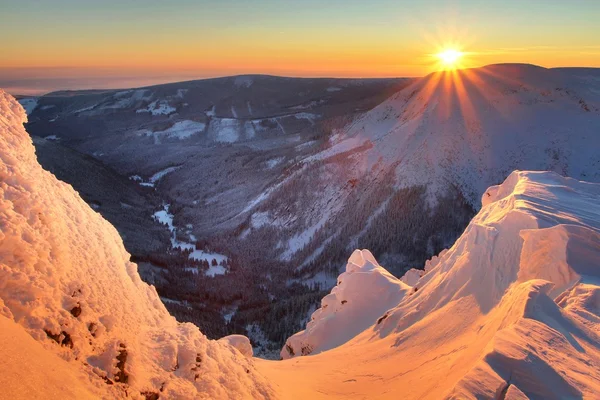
x=510, y=310
x=67, y=283
x=471, y=128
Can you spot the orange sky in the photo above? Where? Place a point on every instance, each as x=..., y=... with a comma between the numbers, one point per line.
x=157, y=40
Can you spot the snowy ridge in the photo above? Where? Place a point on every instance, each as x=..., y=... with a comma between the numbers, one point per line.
x=363, y=292
x=66, y=282
x=471, y=128
x=513, y=307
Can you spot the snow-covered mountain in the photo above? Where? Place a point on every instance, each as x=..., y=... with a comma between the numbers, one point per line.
x=77, y=320
x=471, y=128
x=364, y=290
x=510, y=311
x=394, y=166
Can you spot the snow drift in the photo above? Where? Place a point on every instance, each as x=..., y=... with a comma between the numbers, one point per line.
x=512, y=308
x=363, y=292
x=66, y=280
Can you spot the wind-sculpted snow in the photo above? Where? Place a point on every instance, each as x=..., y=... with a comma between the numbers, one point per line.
x=512, y=309
x=364, y=292
x=67, y=281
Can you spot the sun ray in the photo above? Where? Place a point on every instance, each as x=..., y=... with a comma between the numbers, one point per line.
x=450, y=58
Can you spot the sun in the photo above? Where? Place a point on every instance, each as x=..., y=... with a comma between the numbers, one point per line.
x=450, y=58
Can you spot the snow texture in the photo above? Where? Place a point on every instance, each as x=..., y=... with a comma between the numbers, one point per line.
x=166, y=218
x=510, y=311
x=239, y=342
x=363, y=293
x=75, y=312
x=159, y=107
x=179, y=130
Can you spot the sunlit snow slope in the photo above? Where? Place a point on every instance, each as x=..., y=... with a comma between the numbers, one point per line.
x=365, y=290
x=76, y=320
x=512, y=309
x=470, y=128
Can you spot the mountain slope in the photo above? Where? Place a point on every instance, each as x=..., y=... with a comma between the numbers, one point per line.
x=67, y=280
x=511, y=307
x=123, y=202
x=399, y=175
x=364, y=290
x=472, y=127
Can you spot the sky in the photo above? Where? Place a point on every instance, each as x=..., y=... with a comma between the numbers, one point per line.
x=70, y=44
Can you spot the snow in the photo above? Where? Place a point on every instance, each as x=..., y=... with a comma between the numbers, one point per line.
x=510, y=308
x=307, y=116
x=183, y=129
x=260, y=219
x=272, y=163
x=158, y=107
x=249, y=130
x=211, y=112
x=164, y=217
x=167, y=300
x=29, y=104
x=318, y=252
x=363, y=293
x=310, y=104
x=412, y=276
x=240, y=343
x=75, y=313
x=473, y=127
x=333, y=89
x=225, y=130
x=181, y=93
x=278, y=122
x=228, y=315
x=51, y=137
x=233, y=112
x=121, y=100
x=153, y=180
x=179, y=130
x=304, y=145
x=160, y=174
x=46, y=374
x=80, y=110
x=298, y=241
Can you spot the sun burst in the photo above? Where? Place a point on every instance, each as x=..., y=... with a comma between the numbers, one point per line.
x=450, y=58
